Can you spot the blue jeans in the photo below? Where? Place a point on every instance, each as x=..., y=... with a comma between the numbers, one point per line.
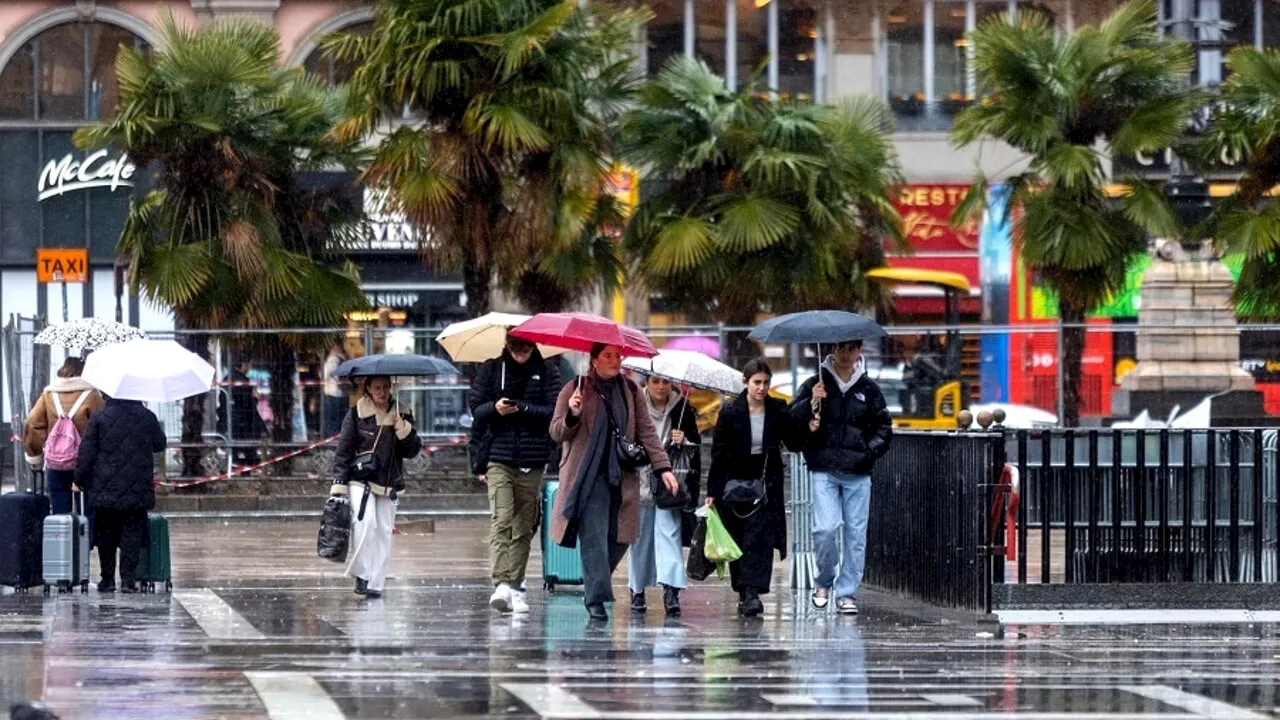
x=58, y=484
x=840, y=499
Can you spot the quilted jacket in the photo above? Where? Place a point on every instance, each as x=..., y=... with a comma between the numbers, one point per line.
x=116, y=465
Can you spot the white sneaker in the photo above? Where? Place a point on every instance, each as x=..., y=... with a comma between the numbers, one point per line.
x=519, y=605
x=500, y=600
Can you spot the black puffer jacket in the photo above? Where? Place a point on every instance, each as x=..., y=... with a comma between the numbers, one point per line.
x=856, y=426
x=521, y=439
x=116, y=465
x=361, y=432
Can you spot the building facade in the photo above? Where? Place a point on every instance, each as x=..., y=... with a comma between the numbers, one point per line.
x=57, y=74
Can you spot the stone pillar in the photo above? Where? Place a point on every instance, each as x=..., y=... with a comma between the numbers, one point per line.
x=1188, y=343
x=264, y=10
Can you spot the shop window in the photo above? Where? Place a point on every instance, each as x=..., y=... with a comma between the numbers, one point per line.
x=709, y=33
x=334, y=71
x=664, y=34
x=752, y=27
x=797, y=33
x=65, y=74
x=905, y=57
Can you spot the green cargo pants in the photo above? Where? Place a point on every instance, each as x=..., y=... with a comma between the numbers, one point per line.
x=514, y=495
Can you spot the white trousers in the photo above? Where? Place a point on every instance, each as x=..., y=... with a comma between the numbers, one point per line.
x=370, y=553
x=656, y=556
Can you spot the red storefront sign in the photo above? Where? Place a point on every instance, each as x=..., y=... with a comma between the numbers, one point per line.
x=926, y=218
x=926, y=222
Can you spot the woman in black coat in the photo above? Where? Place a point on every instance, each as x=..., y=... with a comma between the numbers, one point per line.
x=749, y=436
x=373, y=425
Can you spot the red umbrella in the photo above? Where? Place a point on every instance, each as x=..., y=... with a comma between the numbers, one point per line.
x=580, y=331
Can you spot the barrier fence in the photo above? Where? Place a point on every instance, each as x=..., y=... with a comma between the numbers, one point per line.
x=929, y=536
x=1126, y=506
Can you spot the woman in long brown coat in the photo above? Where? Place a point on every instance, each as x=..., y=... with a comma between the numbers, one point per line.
x=598, y=503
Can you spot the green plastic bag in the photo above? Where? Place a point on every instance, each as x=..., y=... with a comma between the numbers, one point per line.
x=720, y=548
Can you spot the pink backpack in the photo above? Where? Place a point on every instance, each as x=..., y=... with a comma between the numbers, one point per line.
x=63, y=444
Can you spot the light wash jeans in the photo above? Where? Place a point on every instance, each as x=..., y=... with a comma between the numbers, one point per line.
x=840, y=499
x=656, y=556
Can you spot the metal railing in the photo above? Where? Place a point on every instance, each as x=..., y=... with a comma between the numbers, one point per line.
x=928, y=536
x=1115, y=506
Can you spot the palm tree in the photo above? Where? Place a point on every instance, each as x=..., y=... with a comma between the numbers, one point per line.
x=756, y=205
x=1246, y=125
x=1064, y=100
x=494, y=119
x=228, y=237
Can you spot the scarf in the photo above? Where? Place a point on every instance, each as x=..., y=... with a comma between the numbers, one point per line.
x=662, y=424
x=600, y=461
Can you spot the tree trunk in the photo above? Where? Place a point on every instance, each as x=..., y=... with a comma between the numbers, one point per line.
x=1072, y=362
x=283, y=368
x=193, y=410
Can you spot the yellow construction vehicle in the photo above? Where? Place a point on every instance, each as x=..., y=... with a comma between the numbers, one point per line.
x=931, y=395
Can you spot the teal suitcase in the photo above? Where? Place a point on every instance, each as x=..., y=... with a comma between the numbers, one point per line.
x=154, y=564
x=560, y=565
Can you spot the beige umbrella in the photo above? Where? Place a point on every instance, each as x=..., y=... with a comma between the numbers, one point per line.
x=483, y=338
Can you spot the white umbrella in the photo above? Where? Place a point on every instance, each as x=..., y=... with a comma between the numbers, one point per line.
x=88, y=333
x=689, y=368
x=148, y=370
x=483, y=338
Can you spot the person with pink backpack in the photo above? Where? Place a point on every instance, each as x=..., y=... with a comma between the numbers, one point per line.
x=51, y=434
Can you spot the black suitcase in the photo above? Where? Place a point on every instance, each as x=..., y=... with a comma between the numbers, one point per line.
x=22, y=517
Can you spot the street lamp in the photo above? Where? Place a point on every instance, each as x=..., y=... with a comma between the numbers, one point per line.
x=1188, y=197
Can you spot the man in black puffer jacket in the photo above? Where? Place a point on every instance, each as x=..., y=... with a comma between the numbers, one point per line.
x=511, y=404
x=116, y=467
x=849, y=428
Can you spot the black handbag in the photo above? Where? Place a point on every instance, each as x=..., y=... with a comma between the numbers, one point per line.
x=334, y=538
x=631, y=455
x=740, y=492
x=699, y=567
x=365, y=466
x=680, y=463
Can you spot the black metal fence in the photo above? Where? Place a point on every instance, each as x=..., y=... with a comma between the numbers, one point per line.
x=1145, y=506
x=930, y=536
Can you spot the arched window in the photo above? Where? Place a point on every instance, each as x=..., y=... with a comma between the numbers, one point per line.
x=335, y=72
x=67, y=73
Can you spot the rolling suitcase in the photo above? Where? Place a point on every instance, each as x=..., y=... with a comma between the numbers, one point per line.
x=154, y=565
x=65, y=550
x=22, y=517
x=560, y=565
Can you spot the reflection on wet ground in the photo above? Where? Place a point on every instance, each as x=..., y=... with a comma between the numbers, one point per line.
x=260, y=628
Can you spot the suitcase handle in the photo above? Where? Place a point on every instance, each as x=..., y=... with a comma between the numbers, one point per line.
x=74, y=497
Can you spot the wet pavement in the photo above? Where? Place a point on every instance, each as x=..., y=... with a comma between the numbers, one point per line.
x=259, y=628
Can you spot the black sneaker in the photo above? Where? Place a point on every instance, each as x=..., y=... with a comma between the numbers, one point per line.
x=106, y=587
x=372, y=594
x=637, y=602
x=750, y=605
x=362, y=587
x=130, y=588
x=671, y=599
x=596, y=612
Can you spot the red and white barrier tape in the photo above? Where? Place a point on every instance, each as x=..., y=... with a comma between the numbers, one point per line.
x=245, y=469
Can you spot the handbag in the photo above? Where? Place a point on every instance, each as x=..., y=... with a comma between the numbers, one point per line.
x=364, y=466
x=631, y=455
x=334, y=538
x=680, y=463
x=747, y=491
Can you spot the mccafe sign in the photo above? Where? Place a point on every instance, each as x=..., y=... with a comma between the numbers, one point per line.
x=97, y=170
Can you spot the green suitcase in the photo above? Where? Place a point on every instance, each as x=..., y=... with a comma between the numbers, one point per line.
x=154, y=566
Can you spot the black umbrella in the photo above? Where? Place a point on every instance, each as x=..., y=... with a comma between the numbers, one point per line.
x=396, y=366
x=825, y=327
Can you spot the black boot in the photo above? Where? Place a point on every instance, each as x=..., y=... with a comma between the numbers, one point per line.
x=596, y=612
x=750, y=605
x=362, y=587
x=637, y=602
x=671, y=599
